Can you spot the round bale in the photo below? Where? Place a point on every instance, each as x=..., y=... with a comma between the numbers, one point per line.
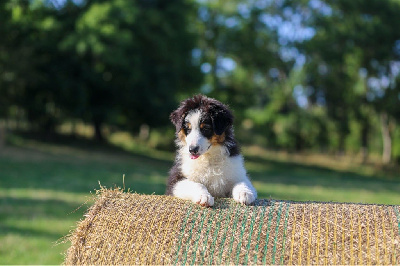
x=127, y=228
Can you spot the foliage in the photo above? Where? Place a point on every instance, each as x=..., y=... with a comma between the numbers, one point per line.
x=309, y=74
x=103, y=62
x=353, y=46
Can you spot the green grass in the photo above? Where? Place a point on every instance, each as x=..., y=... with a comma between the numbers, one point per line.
x=46, y=188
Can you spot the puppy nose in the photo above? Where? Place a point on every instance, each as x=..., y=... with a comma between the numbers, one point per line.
x=193, y=149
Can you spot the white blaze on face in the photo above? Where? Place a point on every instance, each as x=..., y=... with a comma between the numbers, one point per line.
x=194, y=137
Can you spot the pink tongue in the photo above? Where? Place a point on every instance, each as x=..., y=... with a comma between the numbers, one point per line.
x=194, y=157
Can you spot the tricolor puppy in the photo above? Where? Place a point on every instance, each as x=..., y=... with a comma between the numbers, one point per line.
x=208, y=163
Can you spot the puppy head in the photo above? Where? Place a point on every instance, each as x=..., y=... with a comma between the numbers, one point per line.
x=200, y=123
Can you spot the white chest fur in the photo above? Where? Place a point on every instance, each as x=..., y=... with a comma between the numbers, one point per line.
x=215, y=170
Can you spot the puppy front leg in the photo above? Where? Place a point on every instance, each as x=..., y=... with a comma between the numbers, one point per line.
x=244, y=192
x=193, y=191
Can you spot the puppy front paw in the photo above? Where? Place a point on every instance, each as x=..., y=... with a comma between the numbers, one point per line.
x=204, y=199
x=244, y=197
x=244, y=193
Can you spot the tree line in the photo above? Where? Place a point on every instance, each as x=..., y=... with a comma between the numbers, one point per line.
x=300, y=75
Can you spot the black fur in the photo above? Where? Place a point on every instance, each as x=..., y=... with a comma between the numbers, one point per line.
x=220, y=114
x=221, y=119
x=175, y=175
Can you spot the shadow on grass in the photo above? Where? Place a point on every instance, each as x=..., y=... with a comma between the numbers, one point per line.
x=36, y=215
x=7, y=229
x=32, y=208
x=86, y=144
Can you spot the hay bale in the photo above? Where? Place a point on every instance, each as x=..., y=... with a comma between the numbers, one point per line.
x=126, y=228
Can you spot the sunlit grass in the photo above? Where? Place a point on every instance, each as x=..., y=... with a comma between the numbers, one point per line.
x=44, y=186
x=325, y=194
x=296, y=177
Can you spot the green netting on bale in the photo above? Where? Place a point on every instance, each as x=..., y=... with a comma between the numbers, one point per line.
x=126, y=228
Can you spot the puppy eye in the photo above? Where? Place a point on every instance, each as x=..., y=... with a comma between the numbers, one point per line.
x=187, y=127
x=206, y=128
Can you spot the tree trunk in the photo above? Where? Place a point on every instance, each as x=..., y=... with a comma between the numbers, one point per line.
x=387, y=140
x=74, y=129
x=98, y=133
x=364, y=142
x=298, y=139
x=343, y=126
x=342, y=138
x=2, y=133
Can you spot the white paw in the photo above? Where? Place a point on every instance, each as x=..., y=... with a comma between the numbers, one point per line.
x=204, y=199
x=244, y=193
x=244, y=197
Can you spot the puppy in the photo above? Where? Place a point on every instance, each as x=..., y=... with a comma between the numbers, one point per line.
x=208, y=163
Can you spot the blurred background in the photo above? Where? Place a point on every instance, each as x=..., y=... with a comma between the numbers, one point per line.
x=87, y=86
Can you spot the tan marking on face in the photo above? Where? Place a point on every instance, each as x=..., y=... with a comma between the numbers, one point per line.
x=202, y=125
x=189, y=126
x=217, y=139
x=182, y=136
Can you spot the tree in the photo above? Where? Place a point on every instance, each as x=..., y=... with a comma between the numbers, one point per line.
x=237, y=51
x=130, y=60
x=27, y=54
x=355, y=37
x=118, y=62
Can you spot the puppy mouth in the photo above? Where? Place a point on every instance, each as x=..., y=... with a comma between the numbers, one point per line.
x=194, y=156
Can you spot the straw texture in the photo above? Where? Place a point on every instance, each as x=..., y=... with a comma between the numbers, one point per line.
x=126, y=228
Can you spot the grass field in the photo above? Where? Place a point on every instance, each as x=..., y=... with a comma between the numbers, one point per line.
x=45, y=188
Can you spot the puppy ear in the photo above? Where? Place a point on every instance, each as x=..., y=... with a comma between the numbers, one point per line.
x=176, y=118
x=221, y=118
